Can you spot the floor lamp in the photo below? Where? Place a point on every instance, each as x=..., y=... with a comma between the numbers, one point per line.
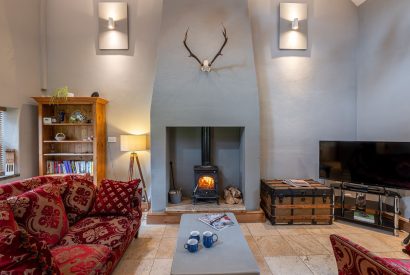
x=133, y=144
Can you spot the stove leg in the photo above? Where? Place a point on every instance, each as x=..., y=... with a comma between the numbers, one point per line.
x=193, y=201
x=217, y=201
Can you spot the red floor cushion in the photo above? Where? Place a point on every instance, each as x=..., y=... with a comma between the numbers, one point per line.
x=41, y=212
x=78, y=198
x=81, y=259
x=105, y=230
x=115, y=197
x=7, y=221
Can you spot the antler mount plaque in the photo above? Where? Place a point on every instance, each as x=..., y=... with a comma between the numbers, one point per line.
x=206, y=65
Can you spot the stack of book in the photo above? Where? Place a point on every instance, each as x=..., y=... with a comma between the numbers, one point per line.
x=70, y=167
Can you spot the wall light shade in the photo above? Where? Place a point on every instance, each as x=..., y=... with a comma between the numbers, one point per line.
x=133, y=143
x=111, y=23
x=293, y=26
x=113, y=26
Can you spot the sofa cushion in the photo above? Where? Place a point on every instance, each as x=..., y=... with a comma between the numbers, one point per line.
x=115, y=197
x=41, y=212
x=19, y=187
x=7, y=221
x=116, y=232
x=21, y=253
x=105, y=230
x=78, y=198
x=81, y=259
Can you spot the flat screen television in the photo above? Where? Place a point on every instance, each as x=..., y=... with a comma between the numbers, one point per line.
x=384, y=164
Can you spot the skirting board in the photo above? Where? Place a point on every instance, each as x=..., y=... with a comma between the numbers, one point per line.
x=174, y=218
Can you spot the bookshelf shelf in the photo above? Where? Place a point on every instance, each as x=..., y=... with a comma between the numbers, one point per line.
x=67, y=141
x=65, y=174
x=69, y=124
x=69, y=154
x=77, y=154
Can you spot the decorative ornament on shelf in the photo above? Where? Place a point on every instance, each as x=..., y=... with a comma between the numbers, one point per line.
x=77, y=117
x=10, y=162
x=60, y=95
x=206, y=65
x=60, y=137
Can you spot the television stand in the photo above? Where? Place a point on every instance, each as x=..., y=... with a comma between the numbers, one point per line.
x=385, y=216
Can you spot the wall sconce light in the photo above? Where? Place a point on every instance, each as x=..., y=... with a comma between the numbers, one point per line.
x=111, y=23
x=293, y=26
x=113, y=26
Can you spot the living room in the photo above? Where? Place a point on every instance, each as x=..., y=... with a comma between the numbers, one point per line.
x=244, y=97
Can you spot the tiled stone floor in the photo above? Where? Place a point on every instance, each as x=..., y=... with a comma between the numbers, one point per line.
x=300, y=249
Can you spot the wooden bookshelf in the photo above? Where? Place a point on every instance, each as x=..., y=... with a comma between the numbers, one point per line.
x=85, y=140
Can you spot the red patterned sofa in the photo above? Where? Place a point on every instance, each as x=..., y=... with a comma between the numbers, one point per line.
x=64, y=225
x=352, y=259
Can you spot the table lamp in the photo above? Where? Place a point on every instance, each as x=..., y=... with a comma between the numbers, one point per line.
x=133, y=144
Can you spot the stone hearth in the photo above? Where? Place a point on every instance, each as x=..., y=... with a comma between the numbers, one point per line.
x=186, y=206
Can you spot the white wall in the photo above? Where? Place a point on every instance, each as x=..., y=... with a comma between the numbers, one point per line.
x=305, y=96
x=383, y=74
x=20, y=74
x=303, y=99
x=125, y=78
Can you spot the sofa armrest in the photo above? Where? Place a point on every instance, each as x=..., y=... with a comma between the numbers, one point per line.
x=352, y=258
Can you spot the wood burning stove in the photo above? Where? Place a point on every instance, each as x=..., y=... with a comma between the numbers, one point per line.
x=206, y=175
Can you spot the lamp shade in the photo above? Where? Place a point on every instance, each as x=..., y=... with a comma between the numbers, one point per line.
x=130, y=143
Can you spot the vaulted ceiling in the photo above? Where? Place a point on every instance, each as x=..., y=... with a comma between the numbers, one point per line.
x=358, y=2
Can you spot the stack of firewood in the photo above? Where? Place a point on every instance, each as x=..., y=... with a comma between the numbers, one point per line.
x=232, y=195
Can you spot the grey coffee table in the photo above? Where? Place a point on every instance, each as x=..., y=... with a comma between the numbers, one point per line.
x=230, y=255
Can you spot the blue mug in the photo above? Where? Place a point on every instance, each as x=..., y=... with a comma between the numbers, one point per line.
x=195, y=235
x=209, y=238
x=192, y=245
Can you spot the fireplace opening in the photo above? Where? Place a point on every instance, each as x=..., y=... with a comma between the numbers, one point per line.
x=206, y=175
x=206, y=182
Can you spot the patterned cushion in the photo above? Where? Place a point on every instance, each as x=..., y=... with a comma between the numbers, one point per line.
x=106, y=230
x=7, y=222
x=19, y=187
x=115, y=197
x=115, y=232
x=21, y=253
x=78, y=198
x=41, y=212
x=81, y=259
x=352, y=259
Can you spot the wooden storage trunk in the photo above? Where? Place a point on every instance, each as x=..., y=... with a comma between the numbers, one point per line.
x=284, y=204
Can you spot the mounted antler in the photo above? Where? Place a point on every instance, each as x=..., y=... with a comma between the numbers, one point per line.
x=223, y=46
x=191, y=54
x=206, y=65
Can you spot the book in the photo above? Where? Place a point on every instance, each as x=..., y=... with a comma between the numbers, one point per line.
x=217, y=221
x=69, y=167
x=363, y=217
x=297, y=183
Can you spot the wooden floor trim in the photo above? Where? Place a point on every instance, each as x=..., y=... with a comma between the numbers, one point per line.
x=174, y=218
